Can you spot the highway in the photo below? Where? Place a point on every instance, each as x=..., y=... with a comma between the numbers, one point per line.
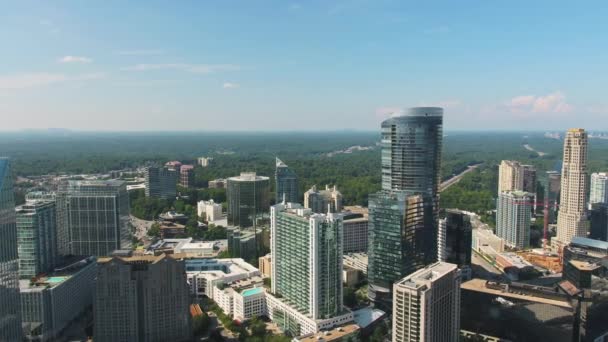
x=457, y=178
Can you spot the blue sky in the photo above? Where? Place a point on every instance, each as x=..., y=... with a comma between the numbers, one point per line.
x=307, y=65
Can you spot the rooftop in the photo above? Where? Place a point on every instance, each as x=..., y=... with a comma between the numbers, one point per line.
x=584, y=266
x=248, y=177
x=479, y=285
x=252, y=291
x=330, y=335
x=57, y=277
x=586, y=242
x=426, y=275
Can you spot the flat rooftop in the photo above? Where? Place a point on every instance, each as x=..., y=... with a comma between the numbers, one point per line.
x=479, y=285
x=584, y=266
x=426, y=275
x=330, y=335
x=58, y=276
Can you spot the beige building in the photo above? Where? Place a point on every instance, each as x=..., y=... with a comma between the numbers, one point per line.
x=513, y=176
x=264, y=264
x=572, y=219
x=320, y=200
x=426, y=305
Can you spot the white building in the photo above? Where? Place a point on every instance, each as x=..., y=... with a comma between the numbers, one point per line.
x=203, y=249
x=599, y=188
x=249, y=303
x=209, y=211
x=204, y=161
x=426, y=305
x=204, y=275
x=513, y=217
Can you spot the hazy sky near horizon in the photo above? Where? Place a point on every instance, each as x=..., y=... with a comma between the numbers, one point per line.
x=302, y=65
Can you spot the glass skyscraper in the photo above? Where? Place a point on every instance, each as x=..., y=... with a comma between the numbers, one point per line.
x=403, y=216
x=286, y=183
x=93, y=217
x=248, y=199
x=10, y=312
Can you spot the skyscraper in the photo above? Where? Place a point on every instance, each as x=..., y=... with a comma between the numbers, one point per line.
x=572, y=217
x=426, y=305
x=10, y=317
x=320, y=201
x=37, y=235
x=186, y=176
x=92, y=217
x=144, y=298
x=513, y=216
x=306, y=254
x=552, y=191
x=456, y=236
x=161, y=182
x=286, y=183
x=510, y=176
x=598, y=221
x=403, y=217
x=248, y=199
x=529, y=179
x=599, y=188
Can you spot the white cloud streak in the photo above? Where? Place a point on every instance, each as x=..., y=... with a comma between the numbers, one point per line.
x=230, y=85
x=75, y=59
x=551, y=103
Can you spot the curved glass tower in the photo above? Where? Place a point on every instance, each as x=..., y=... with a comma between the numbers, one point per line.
x=248, y=199
x=403, y=216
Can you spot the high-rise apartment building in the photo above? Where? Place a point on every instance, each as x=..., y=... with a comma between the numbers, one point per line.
x=161, y=182
x=141, y=298
x=10, y=313
x=322, y=201
x=552, y=189
x=306, y=254
x=248, y=199
x=186, y=176
x=572, y=216
x=92, y=217
x=599, y=188
x=513, y=216
x=510, y=176
x=204, y=161
x=37, y=235
x=426, y=305
x=403, y=219
x=455, y=239
x=286, y=184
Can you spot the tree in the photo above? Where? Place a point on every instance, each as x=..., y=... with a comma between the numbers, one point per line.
x=257, y=327
x=349, y=297
x=154, y=230
x=200, y=324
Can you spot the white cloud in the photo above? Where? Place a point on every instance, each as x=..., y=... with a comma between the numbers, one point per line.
x=144, y=52
x=194, y=68
x=230, y=85
x=29, y=80
x=75, y=59
x=551, y=103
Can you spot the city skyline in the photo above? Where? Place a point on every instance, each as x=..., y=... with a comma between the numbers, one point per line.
x=216, y=67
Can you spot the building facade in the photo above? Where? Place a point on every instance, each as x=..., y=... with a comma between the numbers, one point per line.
x=186, y=176
x=204, y=161
x=244, y=243
x=599, y=188
x=553, y=186
x=286, y=184
x=92, y=217
x=598, y=221
x=426, y=305
x=209, y=211
x=455, y=247
x=513, y=176
x=513, y=217
x=141, y=299
x=322, y=201
x=161, y=182
x=572, y=216
x=356, y=233
x=10, y=316
x=36, y=236
x=248, y=199
x=306, y=253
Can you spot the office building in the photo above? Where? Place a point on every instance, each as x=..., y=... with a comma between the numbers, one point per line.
x=244, y=242
x=248, y=199
x=400, y=241
x=92, y=217
x=322, y=201
x=173, y=165
x=204, y=161
x=219, y=183
x=572, y=216
x=141, y=298
x=599, y=188
x=286, y=184
x=209, y=211
x=426, y=305
x=186, y=176
x=36, y=235
x=356, y=234
x=50, y=303
x=455, y=240
x=306, y=253
x=161, y=182
x=552, y=185
x=588, y=250
x=513, y=217
x=10, y=317
x=598, y=217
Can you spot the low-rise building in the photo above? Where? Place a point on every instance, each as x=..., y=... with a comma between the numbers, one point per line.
x=50, y=303
x=350, y=276
x=209, y=211
x=204, y=275
x=357, y=261
x=513, y=265
x=219, y=183
x=171, y=230
x=348, y=332
x=187, y=246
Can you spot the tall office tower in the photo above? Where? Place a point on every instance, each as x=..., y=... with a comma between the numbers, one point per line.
x=37, y=235
x=456, y=235
x=405, y=212
x=398, y=242
x=142, y=298
x=427, y=305
x=572, y=216
x=186, y=176
x=306, y=254
x=599, y=188
x=513, y=216
x=319, y=201
x=598, y=217
x=161, y=182
x=552, y=190
x=10, y=317
x=286, y=184
x=248, y=199
x=92, y=217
